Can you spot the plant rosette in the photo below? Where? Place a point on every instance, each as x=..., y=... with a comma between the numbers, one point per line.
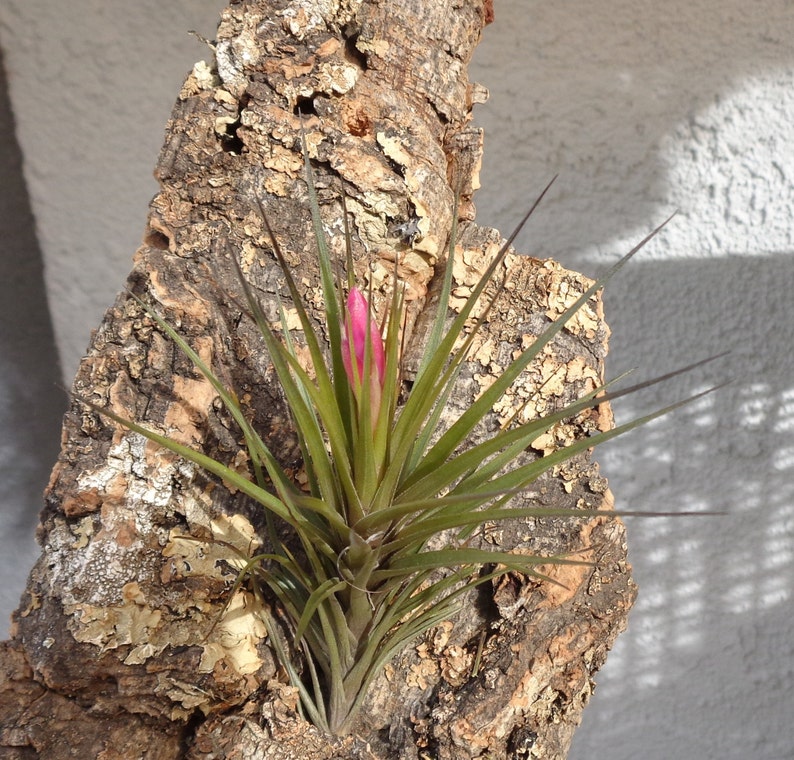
x=363, y=576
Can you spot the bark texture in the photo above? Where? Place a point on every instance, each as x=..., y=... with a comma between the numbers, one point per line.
x=122, y=647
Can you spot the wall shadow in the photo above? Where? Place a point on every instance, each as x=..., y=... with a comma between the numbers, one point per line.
x=707, y=663
x=31, y=402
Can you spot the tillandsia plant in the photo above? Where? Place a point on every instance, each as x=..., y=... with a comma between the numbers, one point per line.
x=361, y=576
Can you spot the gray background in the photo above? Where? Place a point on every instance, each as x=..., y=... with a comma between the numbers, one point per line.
x=642, y=108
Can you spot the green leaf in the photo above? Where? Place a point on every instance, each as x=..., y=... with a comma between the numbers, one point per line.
x=449, y=558
x=287, y=367
x=333, y=311
x=318, y=596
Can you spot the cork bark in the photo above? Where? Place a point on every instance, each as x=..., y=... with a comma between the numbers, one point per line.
x=124, y=645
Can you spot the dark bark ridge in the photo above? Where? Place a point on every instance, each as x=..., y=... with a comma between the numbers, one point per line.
x=123, y=646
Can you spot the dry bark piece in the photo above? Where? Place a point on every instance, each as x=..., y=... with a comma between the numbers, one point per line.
x=123, y=635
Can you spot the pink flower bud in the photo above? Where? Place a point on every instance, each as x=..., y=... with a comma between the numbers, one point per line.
x=354, y=340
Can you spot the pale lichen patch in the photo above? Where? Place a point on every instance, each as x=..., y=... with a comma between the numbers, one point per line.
x=559, y=435
x=284, y=161
x=230, y=648
x=277, y=184
x=237, y=636
x=187, y=696
x=83, y=530
x=233, y=541
x=240, y=630
x=109, y=627
x=134, y=481
x=369, y=173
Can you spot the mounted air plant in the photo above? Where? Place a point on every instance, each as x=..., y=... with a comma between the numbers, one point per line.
x=364, y=574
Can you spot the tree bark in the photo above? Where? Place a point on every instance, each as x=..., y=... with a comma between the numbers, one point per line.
x=122, y=645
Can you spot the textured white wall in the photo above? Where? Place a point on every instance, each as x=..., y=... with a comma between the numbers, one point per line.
x=642, y=108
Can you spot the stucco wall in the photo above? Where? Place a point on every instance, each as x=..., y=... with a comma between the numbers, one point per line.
x=642, y=108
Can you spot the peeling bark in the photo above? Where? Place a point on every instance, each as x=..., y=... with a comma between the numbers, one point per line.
x=122, y=646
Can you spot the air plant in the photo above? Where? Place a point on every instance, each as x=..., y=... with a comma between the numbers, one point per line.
x=359, y=580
